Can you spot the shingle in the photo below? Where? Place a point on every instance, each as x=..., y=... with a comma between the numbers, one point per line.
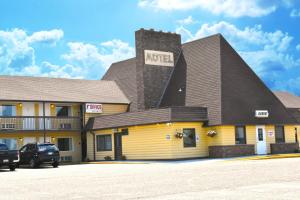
x=151, y=116
x=289, y=100
x=22, y=88
x=124, y=74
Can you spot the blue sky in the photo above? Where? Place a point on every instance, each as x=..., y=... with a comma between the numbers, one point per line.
x=81, y=38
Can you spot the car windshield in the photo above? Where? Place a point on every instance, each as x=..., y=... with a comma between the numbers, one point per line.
x=44, y=147
x=3, y=147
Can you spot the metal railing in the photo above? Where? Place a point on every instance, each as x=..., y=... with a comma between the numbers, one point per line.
x=20, y=123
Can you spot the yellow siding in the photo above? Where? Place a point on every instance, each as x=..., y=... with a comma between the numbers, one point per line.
x=76, y=110
x=289, y=134
x=225, y=135
x=52, y=110
x=152, y=142
x=201, y=149
x=76, y=153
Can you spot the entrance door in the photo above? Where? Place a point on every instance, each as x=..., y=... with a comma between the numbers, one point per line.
x=261, y=143
x=28, y=111
x=118, y=146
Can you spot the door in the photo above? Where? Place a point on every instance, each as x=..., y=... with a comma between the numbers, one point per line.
x=261, y=143
x=28, y=112
x=118, y=146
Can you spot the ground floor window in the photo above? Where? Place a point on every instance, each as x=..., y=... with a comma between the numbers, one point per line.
x=11, y=143
x=65, y=144
x=189, y=137
x=279, y=134
x=240, y=135
x=104, y=143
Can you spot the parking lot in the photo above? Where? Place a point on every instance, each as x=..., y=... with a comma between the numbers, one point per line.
x=197, y=179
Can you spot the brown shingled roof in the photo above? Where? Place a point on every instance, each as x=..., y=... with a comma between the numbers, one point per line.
x=289, y=100
x=216, y=78
x=151, y=116
x=22, y=88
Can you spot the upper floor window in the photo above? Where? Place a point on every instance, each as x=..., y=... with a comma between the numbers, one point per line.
x=63, y=111
x=7, y=110
x=279, y=134
x=240, y=135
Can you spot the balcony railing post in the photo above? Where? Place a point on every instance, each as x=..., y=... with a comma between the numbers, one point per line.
x=44, y=121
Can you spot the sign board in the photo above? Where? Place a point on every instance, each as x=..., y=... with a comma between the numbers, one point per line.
x=270, y=133
x=261, y=114
x=160, y=58
x=93, y=108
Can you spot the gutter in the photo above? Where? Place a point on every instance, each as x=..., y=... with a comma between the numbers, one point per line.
x=94, y=146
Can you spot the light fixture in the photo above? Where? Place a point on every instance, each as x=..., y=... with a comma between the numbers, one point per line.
x=180, y=90
x=21, y=139
x=52, y=138
x=20, y=105
x=52, y=105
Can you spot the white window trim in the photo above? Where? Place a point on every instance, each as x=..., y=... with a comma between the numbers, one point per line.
x=73, y=146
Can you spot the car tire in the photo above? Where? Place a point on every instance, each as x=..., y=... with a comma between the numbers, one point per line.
x=12, y=167
x=32, y=163
x=55, y=164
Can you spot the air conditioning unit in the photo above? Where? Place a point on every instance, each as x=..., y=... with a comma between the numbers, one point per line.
x=66, y=158
x=8, y=126
x=65, y=126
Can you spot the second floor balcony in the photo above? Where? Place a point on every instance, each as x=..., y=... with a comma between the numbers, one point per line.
x=40, y=123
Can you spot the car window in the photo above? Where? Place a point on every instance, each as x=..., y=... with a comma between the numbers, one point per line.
x=44, y=147
x=23, y=149
x=3, y=147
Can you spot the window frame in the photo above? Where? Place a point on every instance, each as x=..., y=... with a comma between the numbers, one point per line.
x=283, y=134
x=98, y=145
x=245, y=135
x=194, y=144
x=72, y=144
x=69, y=110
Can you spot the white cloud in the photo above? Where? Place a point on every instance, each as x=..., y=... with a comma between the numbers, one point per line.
x=268, y=53
x=232, y=8
x=295, y=13
x=92, y=59
x=298, y=47
x=17, y=52
x=187, y=21
x=51, y=36
x=17, y=55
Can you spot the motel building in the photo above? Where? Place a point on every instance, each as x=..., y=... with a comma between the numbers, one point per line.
x=171, y=101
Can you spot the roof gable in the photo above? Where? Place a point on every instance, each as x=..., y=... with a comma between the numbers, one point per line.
x=243, y=92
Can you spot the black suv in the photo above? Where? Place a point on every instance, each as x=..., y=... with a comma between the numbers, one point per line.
x=8, y=158
x=36, y=154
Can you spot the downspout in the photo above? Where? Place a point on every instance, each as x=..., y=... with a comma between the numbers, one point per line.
x=94, y=145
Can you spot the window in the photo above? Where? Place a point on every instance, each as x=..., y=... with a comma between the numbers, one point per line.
x=189, y=137
x=65, y=144
x=104, y=143
x=279, y=134
x=11, y=143
x=7, y=110
x=240, y=135
x=63, y=111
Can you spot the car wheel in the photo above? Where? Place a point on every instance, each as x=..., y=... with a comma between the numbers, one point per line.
x=12, y=167
x=32, y=163
x=55, y=164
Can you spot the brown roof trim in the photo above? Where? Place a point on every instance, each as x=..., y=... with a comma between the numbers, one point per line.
x=151, y=116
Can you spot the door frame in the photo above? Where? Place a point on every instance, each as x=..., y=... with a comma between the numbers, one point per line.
x=118, y=157
x=264, y=140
